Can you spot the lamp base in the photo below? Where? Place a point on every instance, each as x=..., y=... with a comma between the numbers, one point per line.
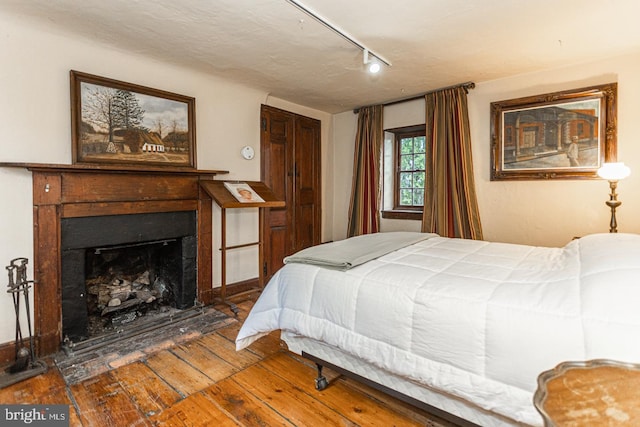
x=613, y=203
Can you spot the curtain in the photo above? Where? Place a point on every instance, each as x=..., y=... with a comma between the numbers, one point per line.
x=450, y=204
x=364, y=212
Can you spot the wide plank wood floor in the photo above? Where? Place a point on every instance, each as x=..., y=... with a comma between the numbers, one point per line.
x=205, y=382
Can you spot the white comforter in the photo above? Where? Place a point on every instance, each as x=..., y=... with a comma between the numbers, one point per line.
x=478, y=320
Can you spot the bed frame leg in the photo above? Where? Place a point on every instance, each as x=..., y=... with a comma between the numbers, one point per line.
x=321, y=381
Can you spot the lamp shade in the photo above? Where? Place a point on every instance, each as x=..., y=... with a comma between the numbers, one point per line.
x=614, y=171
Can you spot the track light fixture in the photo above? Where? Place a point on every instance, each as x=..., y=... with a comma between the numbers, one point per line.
x=371, y=59
x=372, y=65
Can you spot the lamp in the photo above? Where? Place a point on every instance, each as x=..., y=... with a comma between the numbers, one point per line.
x=613, y=172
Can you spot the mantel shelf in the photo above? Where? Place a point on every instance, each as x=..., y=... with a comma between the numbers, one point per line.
x=43, y=167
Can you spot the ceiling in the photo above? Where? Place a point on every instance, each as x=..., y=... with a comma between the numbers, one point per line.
x=273, y=46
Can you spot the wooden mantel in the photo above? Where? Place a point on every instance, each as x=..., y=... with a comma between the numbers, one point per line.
x=81, y=190
x=88, y=167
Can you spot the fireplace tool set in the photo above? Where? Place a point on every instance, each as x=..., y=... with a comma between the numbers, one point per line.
x=25, y=365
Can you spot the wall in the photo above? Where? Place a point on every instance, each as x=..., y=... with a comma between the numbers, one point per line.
x=35, y=122
x=544, y=213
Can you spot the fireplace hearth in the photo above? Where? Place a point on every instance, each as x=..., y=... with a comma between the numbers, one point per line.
x=119, y=269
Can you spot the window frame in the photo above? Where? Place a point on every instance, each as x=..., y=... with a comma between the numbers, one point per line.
x=402, y=211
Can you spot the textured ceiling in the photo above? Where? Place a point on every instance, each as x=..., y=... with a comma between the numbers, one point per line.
x=273, y=46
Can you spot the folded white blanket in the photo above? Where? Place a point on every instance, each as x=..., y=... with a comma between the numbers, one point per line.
x=345, y=254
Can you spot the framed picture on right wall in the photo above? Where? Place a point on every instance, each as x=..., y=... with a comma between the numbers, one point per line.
x=560, y=135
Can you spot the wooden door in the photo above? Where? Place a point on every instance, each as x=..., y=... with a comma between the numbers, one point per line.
x=307, y=184
x=290, y=166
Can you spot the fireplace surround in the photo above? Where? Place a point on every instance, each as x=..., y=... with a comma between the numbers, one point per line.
x=147, y=260
x=64, y=193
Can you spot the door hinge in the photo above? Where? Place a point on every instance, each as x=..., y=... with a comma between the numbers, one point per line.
x=264, y=269
x=264, y=123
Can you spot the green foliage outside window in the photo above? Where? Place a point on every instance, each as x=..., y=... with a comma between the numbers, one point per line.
x=412, y=175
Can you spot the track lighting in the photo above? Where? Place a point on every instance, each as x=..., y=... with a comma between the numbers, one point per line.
x=374, y=64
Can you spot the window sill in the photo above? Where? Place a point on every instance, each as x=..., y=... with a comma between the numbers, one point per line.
x=398, y=214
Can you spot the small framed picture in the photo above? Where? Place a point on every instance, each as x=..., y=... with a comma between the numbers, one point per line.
x=243, y=192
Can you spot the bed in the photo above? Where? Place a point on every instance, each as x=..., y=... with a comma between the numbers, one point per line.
x=464, y=326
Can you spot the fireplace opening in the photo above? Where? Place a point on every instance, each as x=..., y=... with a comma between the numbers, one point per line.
x=126, y=283
x=121, y=273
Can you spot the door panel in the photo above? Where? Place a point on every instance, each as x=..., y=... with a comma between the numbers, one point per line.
x=276, y=144
x=275, y=247
x=307, y=188
x=290, y=166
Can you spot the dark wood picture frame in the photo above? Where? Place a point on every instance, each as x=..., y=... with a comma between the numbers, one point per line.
x=114, y=122
x=560, y=135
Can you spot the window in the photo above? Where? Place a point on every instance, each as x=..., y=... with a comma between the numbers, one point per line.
x=405, y=177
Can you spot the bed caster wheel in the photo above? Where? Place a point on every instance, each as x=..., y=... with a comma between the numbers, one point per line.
x=321, y=383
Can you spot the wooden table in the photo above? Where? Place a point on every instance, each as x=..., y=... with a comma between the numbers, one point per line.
x=592, y=393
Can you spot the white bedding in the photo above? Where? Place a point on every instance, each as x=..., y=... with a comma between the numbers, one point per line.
x=478, y=320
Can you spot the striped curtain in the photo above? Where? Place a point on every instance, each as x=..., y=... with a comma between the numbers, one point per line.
x=450, y=205
x=364, y=212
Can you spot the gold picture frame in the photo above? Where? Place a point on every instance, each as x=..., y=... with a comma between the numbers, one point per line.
x=114, y=122
x=560, y=135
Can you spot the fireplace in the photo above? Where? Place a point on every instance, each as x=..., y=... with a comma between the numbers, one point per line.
x=64, y=194
x=118, y=269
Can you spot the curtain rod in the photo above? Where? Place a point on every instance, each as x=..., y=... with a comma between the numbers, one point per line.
x=466, y=86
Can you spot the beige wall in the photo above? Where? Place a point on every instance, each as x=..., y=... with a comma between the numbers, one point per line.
x=35, y=123
x=550, y=213
x=545, y=213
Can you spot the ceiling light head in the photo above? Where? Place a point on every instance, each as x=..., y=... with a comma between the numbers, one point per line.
x=373, y=66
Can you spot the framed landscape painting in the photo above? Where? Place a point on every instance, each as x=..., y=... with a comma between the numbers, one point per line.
x=114, y=122
x=560, y=135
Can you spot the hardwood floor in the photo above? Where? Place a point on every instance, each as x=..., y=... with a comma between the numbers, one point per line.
x=205, y=382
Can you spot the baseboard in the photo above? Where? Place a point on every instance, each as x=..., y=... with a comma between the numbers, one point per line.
x=8, y=353
x=238, y=287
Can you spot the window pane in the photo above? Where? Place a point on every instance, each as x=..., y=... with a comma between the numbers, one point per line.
x=406, y=146
x=406, y=180
x=410, y=154
x=418, y=197
x=406, y=197
x=406, y=163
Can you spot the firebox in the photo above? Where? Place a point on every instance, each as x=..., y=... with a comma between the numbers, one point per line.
x=116, y=269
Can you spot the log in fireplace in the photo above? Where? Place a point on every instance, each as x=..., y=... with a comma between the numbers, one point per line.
x=65, y=194
x=117, y=269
